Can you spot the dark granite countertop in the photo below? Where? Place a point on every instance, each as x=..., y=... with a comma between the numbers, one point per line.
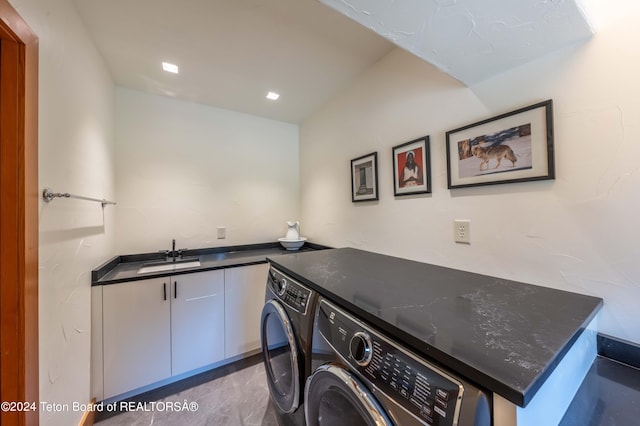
x=506, y=336
x=125, y=267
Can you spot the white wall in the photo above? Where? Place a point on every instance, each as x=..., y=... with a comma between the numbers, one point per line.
x=183, y=169
x=577, y=232
x=76, y=154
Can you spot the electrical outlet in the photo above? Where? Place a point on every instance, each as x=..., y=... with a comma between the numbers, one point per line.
x=462, y=231
x=222, y=232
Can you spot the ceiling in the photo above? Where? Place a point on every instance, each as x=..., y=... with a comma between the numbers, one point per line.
x=232, y=52
x=473, y=40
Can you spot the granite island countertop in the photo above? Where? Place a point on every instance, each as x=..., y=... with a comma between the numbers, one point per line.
x=504, y=335
x=125, y=268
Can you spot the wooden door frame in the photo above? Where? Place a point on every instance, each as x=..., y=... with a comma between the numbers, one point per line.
x=19, y=201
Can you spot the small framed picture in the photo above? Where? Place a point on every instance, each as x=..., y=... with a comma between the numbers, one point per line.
x=512, y=147
x=364, y=178
x=412, y=167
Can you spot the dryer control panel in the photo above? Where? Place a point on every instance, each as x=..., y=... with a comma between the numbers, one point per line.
x=289, y=291
x=431, y=395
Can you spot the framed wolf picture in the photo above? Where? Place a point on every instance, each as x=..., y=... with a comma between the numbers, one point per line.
x=512, y=147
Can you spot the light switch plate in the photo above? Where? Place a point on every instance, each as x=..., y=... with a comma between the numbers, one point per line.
x=222, y=232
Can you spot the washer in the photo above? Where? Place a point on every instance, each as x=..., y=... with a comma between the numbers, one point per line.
x=286, y=328
x=362, y=377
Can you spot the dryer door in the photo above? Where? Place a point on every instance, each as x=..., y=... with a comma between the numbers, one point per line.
x=280, y=355
x=333, y=396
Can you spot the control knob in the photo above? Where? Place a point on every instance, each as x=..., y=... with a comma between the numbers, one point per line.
x=282, y=286
x=361, y=348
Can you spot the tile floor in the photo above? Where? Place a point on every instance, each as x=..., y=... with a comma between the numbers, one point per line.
x=608, y=396
x=235, y=395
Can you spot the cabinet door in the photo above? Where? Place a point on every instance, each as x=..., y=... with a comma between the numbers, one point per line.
x=244, y=299
x=136, y=325
x=97, y=355
x=197, y=320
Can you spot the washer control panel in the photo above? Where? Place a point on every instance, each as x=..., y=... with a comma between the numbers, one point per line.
x=431, y=395
x=289, y=291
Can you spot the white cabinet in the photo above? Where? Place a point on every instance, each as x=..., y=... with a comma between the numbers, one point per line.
x=197, y=320
x=97, y=355
x=157, y=328
x=136, y=334
x=244, y=299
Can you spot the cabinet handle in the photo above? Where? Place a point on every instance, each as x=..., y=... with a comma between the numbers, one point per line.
x=164, y=286
x=175, y=289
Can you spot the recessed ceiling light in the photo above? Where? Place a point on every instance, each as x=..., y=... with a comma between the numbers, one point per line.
x=273, y=96
x=173, y=68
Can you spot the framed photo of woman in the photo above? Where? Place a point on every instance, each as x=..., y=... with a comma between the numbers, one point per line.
x=412, y=167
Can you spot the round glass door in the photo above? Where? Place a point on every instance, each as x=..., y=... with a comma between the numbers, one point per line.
x=333, y=396
x=280, y=354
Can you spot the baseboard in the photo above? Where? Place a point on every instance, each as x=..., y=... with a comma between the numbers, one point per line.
x=619, y=350
x=89, y=416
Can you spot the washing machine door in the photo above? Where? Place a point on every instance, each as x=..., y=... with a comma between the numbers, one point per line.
x=280, y=354
x=333, y=396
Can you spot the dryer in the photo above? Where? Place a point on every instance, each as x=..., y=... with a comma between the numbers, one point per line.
x=362, y=377
x=286, y=328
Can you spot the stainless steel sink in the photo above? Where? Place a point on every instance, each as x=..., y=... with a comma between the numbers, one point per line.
x=169, y=265
x=218, y=256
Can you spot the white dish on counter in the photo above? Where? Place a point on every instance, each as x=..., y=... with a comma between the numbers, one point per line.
x=292, y=244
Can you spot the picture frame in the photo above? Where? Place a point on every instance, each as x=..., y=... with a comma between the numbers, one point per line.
x=412, y=167
x=364, y=178
x=512, y=147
